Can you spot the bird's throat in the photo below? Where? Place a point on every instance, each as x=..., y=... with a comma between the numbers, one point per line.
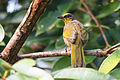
x=67, y=20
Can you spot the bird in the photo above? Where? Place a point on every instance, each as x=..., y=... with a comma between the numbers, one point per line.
x=76, y=36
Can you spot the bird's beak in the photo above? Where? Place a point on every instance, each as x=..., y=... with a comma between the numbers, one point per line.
x=60, y=17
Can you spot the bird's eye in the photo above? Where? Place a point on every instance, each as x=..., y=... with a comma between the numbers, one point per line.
x=67, y=16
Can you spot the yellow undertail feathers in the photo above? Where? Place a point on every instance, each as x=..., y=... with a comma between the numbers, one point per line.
x=76, y=36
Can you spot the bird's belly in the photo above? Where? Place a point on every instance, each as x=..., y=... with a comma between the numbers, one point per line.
x=66, y=41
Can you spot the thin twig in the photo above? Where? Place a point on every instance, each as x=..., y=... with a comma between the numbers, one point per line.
x=46, y=54
x=96, y=21
x=82, y=9
x=95, y=52
x=113, y=47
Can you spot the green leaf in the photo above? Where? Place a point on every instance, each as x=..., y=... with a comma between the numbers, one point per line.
x=44, y=38
x=26, y=49
x=2, y=33
x=89, y=59
x=62, y=63
x=32, y=73
x=115, y=32
x=16, y=76
x=47, y=21
x=19, y=76
x=108, y=9
x=23, y=65
x=65, y=62
x=39, y=73
x=5, y=65
x=59, y=43
x=14, y=18
x=115, y=73
x=2, y=71
x=2, y=43
x=60, y=24
x=110, y=62
x=82, y=74
x=93, y=40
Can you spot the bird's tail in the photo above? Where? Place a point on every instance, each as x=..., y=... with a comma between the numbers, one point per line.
x=77, y=56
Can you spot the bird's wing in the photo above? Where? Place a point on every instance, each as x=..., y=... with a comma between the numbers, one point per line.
x=70, y=33
x=74, y=32
x=83, y=34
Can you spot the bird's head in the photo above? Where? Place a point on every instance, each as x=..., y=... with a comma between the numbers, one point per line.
x=67, y=17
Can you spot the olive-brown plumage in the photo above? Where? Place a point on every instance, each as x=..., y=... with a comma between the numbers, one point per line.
x=75, y=35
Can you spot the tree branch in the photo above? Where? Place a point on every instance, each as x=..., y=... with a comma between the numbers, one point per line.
x=24, y=29
x=95, y=52
x=96, y=21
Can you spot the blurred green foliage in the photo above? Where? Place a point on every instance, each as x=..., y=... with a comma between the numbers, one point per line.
x=47, y=33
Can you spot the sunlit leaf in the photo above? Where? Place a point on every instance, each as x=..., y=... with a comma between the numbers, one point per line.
x=2, y=43
x=110, y=62
x=23, y=65
x=81, y=74
x=32, y=73
x=19, y=76
x=16, y=76
x=2, y=33
x=39, y=74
